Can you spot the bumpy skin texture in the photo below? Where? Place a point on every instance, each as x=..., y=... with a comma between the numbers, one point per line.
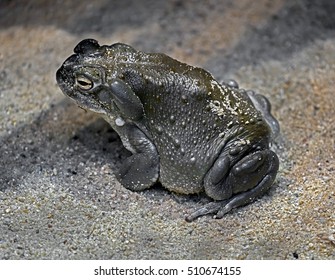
x=184, y=129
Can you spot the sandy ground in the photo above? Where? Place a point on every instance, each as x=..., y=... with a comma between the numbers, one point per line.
x=58, y=195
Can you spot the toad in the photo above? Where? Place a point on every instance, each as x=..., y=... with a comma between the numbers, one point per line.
x=184, y=129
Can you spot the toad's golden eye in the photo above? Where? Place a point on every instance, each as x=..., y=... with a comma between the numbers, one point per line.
x=84, y=83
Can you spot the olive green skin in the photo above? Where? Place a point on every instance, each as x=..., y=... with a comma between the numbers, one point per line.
x=192, y=130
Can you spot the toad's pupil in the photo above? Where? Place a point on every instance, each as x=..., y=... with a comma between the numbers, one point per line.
x=84, y=83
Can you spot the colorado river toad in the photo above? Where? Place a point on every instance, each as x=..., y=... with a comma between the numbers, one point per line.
x=183, y=128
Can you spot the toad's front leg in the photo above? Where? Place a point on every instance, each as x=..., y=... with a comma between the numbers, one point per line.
x=141, y=170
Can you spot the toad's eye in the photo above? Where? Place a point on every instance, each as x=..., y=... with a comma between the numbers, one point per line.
x=84, y=83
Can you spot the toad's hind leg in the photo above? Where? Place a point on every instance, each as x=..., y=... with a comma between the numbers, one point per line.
x=260, y=167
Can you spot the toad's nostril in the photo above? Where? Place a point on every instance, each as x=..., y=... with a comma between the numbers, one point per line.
x=61, y=75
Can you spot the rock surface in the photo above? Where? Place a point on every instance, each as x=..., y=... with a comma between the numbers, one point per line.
x=58, y=195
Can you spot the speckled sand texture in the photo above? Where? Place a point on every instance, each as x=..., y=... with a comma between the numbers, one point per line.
x=58, y=195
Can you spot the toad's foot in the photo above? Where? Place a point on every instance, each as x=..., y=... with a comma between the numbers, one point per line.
x=210, y=208
x=222, y=207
